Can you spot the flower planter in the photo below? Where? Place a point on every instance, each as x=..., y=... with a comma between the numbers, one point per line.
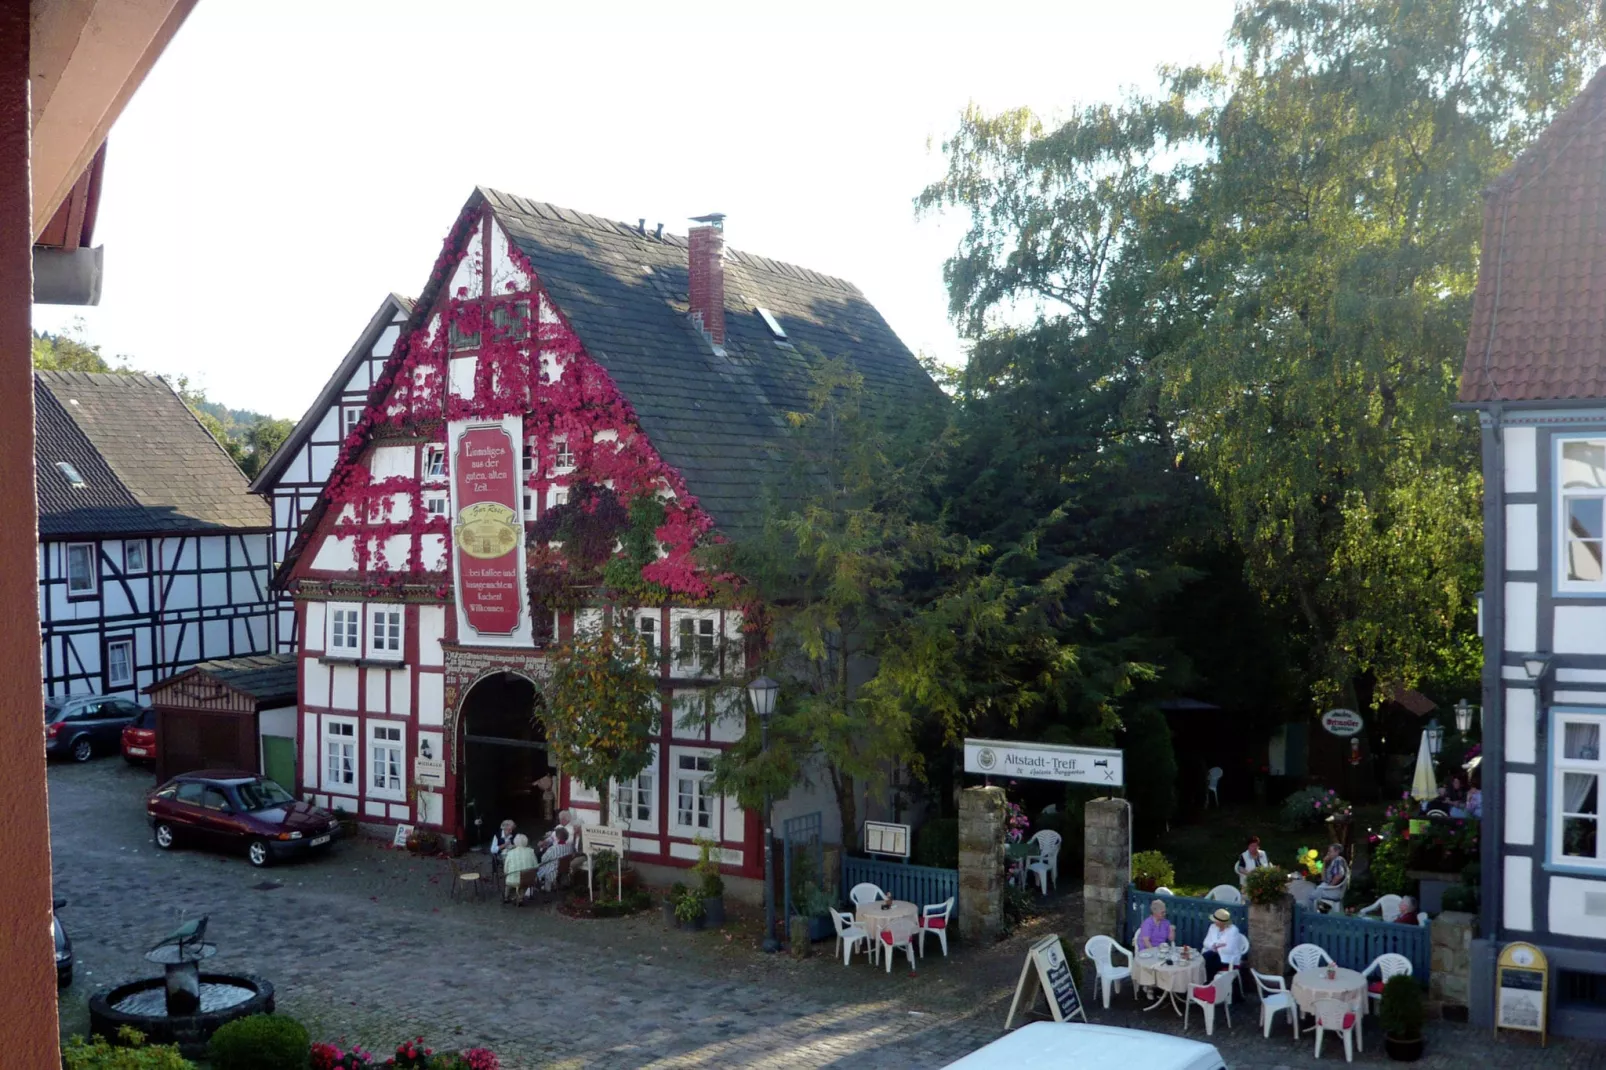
x=695, y=925
x=714, y=911
x=1403, y=1051
x=821, y=929
x=1146, y=884
x=669, y=911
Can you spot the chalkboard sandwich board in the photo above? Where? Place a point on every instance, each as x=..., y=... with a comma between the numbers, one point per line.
x=1046, y=971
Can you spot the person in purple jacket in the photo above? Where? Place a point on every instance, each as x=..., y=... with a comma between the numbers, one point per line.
x=1156, y=930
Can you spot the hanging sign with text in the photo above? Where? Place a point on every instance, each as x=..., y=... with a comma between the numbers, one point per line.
x=488, y=532
x=1093, y=766
x=1342, y=723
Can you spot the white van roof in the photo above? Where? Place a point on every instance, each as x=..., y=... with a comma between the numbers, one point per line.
x=1041, y=1045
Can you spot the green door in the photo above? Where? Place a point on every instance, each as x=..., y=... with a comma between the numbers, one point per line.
x=279, y=761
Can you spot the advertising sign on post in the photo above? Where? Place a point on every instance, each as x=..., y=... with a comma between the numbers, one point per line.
x=1342, y=723
x=488, y=532
x=1093, y=766
x=1521, y=989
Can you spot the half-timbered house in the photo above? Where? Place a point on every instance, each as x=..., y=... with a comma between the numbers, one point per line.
x=556, y=364
x=295, y=475
x=153, y=554
x=1535, y=372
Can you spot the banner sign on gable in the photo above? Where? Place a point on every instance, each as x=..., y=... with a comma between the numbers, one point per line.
x=1094, y=766
x=488, y=532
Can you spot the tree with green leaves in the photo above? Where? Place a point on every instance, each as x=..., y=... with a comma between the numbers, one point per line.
x=601, y=707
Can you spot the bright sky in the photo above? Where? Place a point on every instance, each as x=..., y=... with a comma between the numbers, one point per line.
x=288, y=162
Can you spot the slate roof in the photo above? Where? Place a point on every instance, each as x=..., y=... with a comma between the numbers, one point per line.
x=719, y=420
x=1538, y=327
x=268, y=678
x=360, y=351
x=147, y=464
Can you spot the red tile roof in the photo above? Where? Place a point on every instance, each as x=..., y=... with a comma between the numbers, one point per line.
x=1538, y=328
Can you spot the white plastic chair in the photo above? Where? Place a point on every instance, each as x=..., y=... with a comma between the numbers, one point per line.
x=1046, y=865
x=1213, y=783
x=848, y=935
x=1274, y=997
x=890, y=949
x=1048, y=850
x=1387, y=906
x=1423, y=920
x=1388, y=965
x=1331, y=1015
x=1163, y=890
x=1309, y=957
x=934, y=919
x=1242, y=963
x=864, y=893
x=1208, y=997
x=1225, y=893
x=1101, y=950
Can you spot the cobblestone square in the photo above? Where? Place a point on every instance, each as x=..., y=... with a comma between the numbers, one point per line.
x=365, y=944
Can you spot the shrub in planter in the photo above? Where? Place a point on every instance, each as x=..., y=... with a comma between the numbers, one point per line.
x=689, y=913
x=1312, y=807
x=261, y=1042
x=1266, y=885
x=129, y=1053
x=424, y=842
x=713, y=885
x=1401, y=1016
x=1151, y=869
x=676, y=890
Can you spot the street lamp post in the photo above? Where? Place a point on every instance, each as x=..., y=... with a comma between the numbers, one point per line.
x=1463, y=716
x=1435, y=734
x=762, y=693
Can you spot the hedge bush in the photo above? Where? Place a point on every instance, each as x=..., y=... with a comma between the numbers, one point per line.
x=937, y=843
x=129, y=1053
x=261, y=1042
x=1401, y=1012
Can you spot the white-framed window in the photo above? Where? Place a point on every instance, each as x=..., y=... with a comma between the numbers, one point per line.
x=634, y=800
x=134, y=556
x=529, y=505
x=386, y=747
x=696, y=807
x=696, y=642
x=385, y=632
x=556, y=496
x=434, y=462
x=562, y=455
x=512, y=319
x=1577, y=776
x=435, y=503
x=464, y=339
x=527, y=455
x=81, y=573
x=1581, y=514
x=345, y=630
x=339, y=754
x=120, y=663
x=647, y=628
x=348, y=420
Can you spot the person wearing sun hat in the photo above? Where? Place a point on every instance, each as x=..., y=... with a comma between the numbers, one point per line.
x=1224, y=946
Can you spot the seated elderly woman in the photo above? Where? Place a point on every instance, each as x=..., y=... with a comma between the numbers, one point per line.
x=1408, y=908
x=547, y=873
x=1156, y=930
x=515, y=860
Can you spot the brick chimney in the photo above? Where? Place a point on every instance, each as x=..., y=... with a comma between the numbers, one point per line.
x=706, y=250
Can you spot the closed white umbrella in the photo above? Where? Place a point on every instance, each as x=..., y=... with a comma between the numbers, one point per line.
x=1424, y=785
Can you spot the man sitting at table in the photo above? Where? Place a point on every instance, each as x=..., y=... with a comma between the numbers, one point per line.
x=547, y=873
x=1335, y=875
x=1224, y=945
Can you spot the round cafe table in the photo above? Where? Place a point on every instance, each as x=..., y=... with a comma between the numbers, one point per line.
x=1346, y=986
x=873, y=918
x=1172, y=980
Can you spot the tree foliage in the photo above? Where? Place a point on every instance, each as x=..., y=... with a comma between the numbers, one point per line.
x=601, y=707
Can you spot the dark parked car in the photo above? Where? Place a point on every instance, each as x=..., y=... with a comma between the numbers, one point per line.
x=139, y=738
x=231, y=811
x=63, y=948
x=81, y=726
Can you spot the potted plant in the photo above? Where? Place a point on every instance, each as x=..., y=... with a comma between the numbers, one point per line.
x=1401, y=1015
x=713, y=886
x=1265, y=886
x=689, y=913
x=676, y=890
x=424, y=842
x=1151, y=870
x=815, y=904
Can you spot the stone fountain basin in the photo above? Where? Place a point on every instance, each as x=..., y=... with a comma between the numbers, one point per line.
x=191, y=1032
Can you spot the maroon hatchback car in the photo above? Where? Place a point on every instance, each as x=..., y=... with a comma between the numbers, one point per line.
x=234, y=811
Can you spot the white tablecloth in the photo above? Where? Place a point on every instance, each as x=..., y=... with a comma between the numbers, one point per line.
x=874, y=919
x=1348, y=987
x=1149, y=970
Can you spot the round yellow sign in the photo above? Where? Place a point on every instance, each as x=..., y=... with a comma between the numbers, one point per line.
x=486, y=530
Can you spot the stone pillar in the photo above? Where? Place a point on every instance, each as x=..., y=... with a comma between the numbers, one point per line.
x=1106, y=866
x=1269, y=927
x=1451, y=983
x=981, y=864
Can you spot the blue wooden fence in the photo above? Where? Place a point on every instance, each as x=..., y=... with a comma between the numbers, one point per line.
x=800, y=847
x=921, y=885
x=1354, y=942
x=1190, y=916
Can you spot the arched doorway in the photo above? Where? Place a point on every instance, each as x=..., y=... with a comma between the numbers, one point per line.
x=504, y=758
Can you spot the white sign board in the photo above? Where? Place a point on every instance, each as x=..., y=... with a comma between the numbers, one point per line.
x=886, y=838
x=1343, y=723
x=1093, y=766
x=402, y=832
x=1047, y=972
x=429, y=772
x=604, y=838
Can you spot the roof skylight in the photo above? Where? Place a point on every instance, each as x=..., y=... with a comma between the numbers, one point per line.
x=772, y=323
x=71, y=473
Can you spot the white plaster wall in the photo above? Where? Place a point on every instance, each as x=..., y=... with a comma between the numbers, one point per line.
x=322, y=459
x=1580, y=630
x=466, y=278
x=551, y=367
x=336, y=554
x=1519, y=724
x=343, y=687
x=1518, y=893
x=1522, y=468
x=312, y=635
x=386, y=462
x=462, y=377
x=1581, y=676
x=432, y=553
x=1519, y=807
x=730, y=717
x=1522, y=616
x=1578, y=906
x=431, y=698
x=1522, y=537
x=377, y=691
x=401, y=692
x=503, y=270
x=431, y=629
x=309, y=749
x=387, y=341
x=279, y=721
x=1579, y=698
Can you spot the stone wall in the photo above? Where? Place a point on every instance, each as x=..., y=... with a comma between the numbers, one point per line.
x=1107, y=866
x=1451, y=983
x=1269, y=927
x=981, y=864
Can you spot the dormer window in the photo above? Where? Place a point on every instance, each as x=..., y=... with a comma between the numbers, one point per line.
x=74, y=480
